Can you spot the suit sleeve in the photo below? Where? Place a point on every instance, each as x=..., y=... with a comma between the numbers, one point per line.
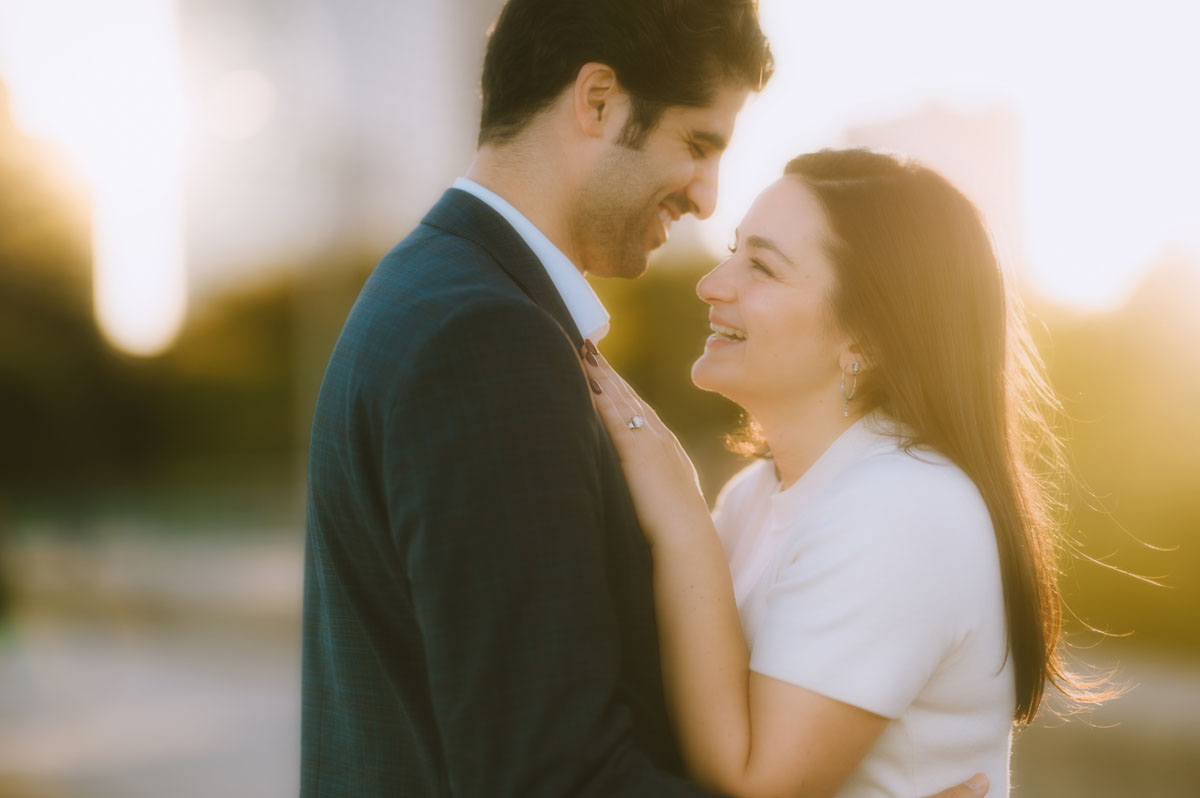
x=493, y=486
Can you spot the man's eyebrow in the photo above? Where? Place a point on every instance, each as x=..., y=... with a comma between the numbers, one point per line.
x=714, y=140
x=759, y=242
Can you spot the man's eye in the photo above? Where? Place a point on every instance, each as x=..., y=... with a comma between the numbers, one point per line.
x=696, y=150
x=732, y=248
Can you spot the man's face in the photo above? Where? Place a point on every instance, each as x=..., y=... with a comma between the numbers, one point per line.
x=629, y=200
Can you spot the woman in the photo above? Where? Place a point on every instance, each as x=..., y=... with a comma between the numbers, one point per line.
x=892, y=607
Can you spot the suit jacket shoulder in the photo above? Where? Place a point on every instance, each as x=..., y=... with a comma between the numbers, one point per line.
x=462, y=271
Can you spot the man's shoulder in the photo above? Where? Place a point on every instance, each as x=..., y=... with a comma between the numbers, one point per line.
x=459, y=233
x=437, y=304
x=428, y=280
x=434, y=261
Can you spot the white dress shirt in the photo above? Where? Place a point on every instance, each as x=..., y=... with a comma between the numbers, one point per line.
x=874, y=580
x=585, y=308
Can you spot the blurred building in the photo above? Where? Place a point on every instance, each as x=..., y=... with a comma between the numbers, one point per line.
x=322, y=126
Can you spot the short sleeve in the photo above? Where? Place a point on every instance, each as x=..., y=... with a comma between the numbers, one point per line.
x=878, y=587
x=737, y=497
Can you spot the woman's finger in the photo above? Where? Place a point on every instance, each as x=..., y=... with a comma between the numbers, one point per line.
x=603, y=367
x=625, y=396
x=653, y=425
x=614, y=411
x=628, y=407
x=612, y=395
x=648, y=412
x=604, y=376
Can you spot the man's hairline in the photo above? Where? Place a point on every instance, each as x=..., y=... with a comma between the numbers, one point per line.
x=715, y=138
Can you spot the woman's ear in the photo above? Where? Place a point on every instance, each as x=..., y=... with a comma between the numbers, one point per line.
x=597, y=100
x=851, y=355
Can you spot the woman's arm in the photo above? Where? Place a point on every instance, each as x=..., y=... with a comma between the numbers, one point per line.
x=742, y=733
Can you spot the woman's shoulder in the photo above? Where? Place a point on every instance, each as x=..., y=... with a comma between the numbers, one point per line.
x=746, y=488
x=902, y=475
x=914, y=498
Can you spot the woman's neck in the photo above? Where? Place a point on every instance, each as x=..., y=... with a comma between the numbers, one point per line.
x=799, y=434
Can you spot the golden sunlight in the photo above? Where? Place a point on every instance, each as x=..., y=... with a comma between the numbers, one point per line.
x=1099, y=175
x=108, y=91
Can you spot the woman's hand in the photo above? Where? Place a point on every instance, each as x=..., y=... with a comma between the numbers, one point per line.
x=661, y=477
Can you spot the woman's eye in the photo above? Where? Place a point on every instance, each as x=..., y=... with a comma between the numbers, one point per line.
x=755, y=263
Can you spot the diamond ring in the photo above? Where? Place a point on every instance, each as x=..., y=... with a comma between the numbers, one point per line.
x=636, y=423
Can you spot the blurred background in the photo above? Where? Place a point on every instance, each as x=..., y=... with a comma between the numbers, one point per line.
x=193, y=191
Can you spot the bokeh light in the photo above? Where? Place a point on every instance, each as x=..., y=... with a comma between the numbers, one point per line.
x=109, y=92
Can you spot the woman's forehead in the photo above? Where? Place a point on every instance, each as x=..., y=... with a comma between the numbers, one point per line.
x=788, y=214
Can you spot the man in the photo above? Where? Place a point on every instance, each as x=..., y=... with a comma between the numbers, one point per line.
x=478, y=608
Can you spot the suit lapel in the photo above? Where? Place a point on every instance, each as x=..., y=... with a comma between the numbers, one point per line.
x=461, y=214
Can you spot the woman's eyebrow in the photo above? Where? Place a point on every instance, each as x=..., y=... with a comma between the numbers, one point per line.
x=765, y=243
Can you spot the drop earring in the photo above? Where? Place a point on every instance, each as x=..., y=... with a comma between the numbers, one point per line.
x=853, y=389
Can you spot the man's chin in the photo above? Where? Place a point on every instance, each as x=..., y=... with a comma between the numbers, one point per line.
x=627, y=268
x=638, y=267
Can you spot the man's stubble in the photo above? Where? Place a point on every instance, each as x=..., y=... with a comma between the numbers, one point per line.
x=611, y=217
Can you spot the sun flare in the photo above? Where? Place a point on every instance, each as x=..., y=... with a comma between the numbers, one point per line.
x=1103, y=157
x=109, y=93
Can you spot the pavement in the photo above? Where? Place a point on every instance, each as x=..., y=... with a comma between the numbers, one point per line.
x=170, y=667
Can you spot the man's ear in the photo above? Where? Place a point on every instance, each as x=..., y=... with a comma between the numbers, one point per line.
x=598, y=101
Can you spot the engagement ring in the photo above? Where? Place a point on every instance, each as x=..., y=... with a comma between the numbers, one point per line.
x=637, y=422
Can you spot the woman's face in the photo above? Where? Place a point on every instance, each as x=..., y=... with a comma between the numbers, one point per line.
x=774, y=334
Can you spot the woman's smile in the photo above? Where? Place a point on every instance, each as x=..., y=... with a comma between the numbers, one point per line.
x=725, y=334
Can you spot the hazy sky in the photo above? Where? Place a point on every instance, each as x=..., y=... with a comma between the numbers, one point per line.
x=1106, y=97
x=311, y=121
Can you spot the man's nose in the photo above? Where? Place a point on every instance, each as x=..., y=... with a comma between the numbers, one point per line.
x=702, y=191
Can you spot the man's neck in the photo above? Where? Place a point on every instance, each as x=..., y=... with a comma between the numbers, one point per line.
x=534, y=185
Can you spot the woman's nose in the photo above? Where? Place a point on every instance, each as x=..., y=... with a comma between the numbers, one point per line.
x=715, y=286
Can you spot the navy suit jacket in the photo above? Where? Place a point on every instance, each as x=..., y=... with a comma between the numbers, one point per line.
x=478, y=611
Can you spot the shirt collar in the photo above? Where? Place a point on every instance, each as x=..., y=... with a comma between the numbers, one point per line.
x=585, y=308
x=873, y=432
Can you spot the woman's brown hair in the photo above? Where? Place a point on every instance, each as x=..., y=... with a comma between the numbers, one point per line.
x=920, y=289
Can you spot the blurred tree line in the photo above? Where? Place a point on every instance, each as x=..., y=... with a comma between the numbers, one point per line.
x=206, y=430
x=216, y=428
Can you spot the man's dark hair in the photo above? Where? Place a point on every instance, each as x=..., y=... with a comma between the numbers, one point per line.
x=664, y=53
